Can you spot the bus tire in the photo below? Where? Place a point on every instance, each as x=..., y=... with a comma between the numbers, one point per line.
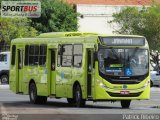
x=125, y=103
x=71, y=100
x=151, y=84
x=80, y=102
x=33, y=95
x=4, y=79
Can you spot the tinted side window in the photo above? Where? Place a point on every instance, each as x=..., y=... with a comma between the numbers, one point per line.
x=59, y=60
x=77, y=55
x=42, y=55
x=13, y=55
x=31, y=55
x=35, y=54
x=26, y=55
x=66, y=55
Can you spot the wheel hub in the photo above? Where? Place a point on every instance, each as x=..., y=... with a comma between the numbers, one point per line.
x=4, y=80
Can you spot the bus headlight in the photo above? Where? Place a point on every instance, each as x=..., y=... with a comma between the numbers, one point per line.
x=100, y=83
x=147, y=83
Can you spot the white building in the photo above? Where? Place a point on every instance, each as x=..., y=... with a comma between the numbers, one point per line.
x=95, y=14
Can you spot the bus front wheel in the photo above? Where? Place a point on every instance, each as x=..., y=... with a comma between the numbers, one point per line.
x=34, y=98
x=125, y=103
x=151, y=84
x=80, y=102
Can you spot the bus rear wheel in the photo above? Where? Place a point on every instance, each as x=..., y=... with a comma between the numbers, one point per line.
x=125, y=103
x=34, y=98
x=80, y=102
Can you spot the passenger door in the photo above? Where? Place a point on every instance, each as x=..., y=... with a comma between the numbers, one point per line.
x=89, y=72
x=53, y=71
x=90, y=48
x=20, y=69
x=51, y=60
x=64, y=70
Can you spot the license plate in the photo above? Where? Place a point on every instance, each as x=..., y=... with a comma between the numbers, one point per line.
x=124, y=92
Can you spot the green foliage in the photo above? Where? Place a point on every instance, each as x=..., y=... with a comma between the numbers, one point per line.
x=56, y=16
x=11, y=28
x=142, y=21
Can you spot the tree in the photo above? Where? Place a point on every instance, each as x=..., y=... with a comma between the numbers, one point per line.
x=11, y=28
x=56, y=16
x=142, y=21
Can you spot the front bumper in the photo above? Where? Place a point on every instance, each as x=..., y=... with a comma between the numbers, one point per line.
x=134, y=92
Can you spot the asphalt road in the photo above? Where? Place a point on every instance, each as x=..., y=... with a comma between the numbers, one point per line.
x=19, y=108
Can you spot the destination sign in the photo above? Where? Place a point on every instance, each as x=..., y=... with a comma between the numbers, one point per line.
x=123, y=41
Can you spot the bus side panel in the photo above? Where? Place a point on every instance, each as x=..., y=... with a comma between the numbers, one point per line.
x=25, y=80
x=37, y=74
x=78, y=75
x=42, y=85
x=63, y=82
x=12, y=78
x=68, y=77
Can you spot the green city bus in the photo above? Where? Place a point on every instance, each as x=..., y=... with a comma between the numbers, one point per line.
x=81, y=67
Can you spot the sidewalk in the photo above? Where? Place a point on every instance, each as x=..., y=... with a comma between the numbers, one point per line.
x=4, y=87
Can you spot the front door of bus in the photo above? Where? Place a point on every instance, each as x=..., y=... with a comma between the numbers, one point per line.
x=20, y=69
x=53, y=72
x=89, y=72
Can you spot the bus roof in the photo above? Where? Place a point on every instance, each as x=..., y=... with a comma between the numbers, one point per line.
x=76, y=34
x=49, y=37
x=65, y=34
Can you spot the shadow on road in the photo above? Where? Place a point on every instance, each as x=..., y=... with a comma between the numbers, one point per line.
x=52, y=104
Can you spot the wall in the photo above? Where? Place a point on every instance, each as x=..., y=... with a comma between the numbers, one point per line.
x=95, y=18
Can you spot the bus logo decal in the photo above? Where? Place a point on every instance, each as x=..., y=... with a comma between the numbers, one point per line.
x=46, y=71
x=62, y=75
x=124, y=86
x=128, y=71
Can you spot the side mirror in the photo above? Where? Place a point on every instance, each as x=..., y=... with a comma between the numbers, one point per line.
x=95, y=56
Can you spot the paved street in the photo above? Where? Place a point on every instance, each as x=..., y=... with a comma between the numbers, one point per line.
x=11, y=103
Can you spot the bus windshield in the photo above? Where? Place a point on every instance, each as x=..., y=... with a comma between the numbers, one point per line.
x=123, y=62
